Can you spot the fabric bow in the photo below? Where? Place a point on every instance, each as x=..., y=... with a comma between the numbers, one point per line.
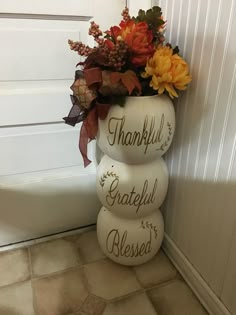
x=86, y=108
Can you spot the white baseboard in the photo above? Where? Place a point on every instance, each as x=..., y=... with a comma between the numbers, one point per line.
x=47, y=238
x=201, y=289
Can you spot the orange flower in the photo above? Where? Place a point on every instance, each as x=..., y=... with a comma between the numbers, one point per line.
x=114, y=32
x=138, y=38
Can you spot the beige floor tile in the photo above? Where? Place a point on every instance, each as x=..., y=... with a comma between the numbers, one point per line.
x=53, y=256
x=156, y=271
x=93, y=305
x=89, y=248
x=60, y=294
x=133, y=305
x=14, y=266
x=109, y=280
x=175, y=298
x=16, y=299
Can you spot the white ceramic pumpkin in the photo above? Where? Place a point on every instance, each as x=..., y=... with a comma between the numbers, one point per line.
x=131, y=191
x=140, y=131
x=129, y=242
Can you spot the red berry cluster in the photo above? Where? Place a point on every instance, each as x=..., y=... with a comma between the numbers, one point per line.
x=125, y=14
x=116, y=57
x=82, y=49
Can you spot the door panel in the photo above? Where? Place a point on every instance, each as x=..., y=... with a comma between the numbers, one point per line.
x=38, y=7
x=33, y=102
x=38, y=49
x=37, y=70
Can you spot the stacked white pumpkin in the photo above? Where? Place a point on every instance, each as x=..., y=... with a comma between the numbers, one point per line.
x=132, y=177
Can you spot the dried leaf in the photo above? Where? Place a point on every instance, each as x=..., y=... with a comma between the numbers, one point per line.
x=128, y=79
x=94, y=59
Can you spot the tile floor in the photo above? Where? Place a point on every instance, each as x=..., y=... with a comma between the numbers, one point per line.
x=71, y=276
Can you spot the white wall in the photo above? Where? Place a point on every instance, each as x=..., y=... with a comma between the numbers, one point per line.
x=200, y=210
x=135, y=5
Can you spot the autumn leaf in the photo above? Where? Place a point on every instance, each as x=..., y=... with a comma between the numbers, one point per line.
x=128, y=79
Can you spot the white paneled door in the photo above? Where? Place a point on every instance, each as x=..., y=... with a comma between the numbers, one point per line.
x=44, y=188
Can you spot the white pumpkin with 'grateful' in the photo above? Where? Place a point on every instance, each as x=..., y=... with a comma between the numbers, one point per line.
x=129, y=242
x=131, y=191
x=140, y=131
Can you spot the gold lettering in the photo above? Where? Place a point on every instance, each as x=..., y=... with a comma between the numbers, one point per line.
x=134, y=197
x=142, y=250
x=112, y=193
x=114, y=248
x=119, y=246
x=151, y=133
x=148, y=245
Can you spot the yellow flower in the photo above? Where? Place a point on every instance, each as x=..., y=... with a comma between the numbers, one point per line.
x=168, y=71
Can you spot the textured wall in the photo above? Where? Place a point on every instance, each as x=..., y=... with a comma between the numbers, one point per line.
x=200, y=210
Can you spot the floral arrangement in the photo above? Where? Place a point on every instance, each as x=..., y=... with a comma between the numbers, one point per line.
x=129, y=59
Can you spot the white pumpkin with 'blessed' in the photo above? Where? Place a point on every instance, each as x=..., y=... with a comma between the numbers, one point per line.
x=130, y=242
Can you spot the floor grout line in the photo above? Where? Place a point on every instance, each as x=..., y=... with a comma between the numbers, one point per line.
x=30, y=263
x=14, y=283
x=87, y=288
x=149, y=299
x=81, y=306
x=160, y=285
x=137, y=292
x=31, y=283
x=88, y=297
x=55, y=273
x=34, y=299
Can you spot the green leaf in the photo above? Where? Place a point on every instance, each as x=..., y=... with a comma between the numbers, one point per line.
x=176, y=50
x=141, y=15
x=152, y=17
